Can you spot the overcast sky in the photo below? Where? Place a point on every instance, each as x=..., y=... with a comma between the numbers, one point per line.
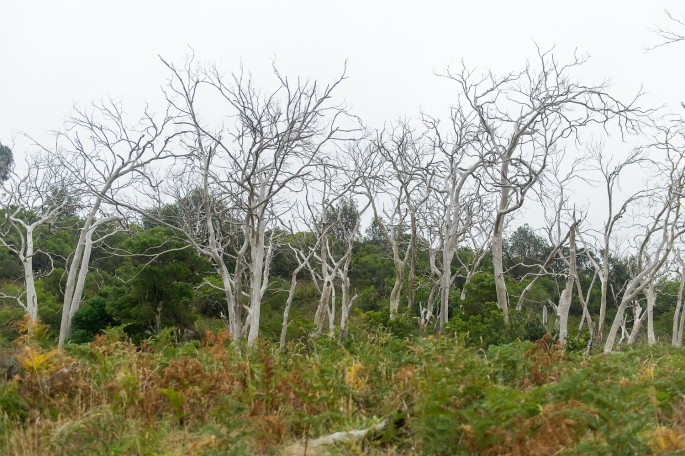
x=59, y=53
x=56, y=54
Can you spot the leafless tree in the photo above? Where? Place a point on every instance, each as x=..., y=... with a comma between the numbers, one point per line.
x=302, y=250
x=273, y=142
x=611, y=173
x=554, y=199
x=107, y=157
x=30, y=198
x=455, y=202
x=524, y=117
x=334, y=216
x=397, y=187
x=664, y=226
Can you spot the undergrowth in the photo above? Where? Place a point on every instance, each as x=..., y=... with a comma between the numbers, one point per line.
x=211, y=397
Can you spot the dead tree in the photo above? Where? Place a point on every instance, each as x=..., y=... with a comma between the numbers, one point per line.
x=302, y=249
x=273, y=142
x=524, y=118
x=611, y=173
x=455, y=199
x=29, y=200
x=664, y=225
x=107, y=157
x=399, y=161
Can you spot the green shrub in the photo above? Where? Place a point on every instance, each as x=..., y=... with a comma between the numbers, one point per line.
x=91, y=318
x=479, y=329
x=12, y=404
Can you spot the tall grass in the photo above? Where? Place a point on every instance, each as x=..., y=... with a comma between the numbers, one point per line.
x=211, y=397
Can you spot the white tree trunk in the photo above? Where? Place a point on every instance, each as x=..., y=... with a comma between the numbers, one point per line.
x=638, y=319
x=567, y=295
x=498, y=270
x=676, y=335
x=445, y=287
x=286, y=311
x=29, y=277
x=257, y=253
x=650, y=294
x=395, y=294
x=78, y=271
x=331, y=313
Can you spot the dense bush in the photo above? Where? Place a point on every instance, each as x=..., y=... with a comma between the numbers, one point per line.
x=486, y=327
x=439, y=396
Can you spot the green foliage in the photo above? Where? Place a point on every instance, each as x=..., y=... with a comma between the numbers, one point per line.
x=12, y=404
x=91, y=318
x=6, y=162
x=481, y=329
x=400, y=327
x=524, y=248
x=439, y=396
x=480, y=293
x=487, y=327
x=160, y=289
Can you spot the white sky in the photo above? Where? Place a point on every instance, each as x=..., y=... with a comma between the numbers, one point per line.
x=55, y=54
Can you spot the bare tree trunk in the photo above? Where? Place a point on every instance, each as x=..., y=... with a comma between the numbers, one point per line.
x=498, y=265
x=76, y=261
x=681, y=328
x=397, y=287
x=676, y=337
x=604, y=285
x=638, y=318
x=567, y=294
x=345, y=304
x=445, y=287
x=322, y=309
x=411, y=277
x=331, y=313
x=286, y=311
x=583, y=301
x=650, y=294
x=347, y=299
x=257, y=268
x=29, y=279
x=78, y=270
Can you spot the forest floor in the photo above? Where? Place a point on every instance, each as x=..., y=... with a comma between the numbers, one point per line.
x=428, y=395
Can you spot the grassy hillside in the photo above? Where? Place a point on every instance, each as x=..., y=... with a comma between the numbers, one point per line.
x=435, y=396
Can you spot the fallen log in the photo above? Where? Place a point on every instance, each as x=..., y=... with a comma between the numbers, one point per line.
x=317, y=446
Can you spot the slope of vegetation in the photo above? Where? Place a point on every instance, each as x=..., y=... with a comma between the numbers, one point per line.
x=437, y=395
x=255, y=271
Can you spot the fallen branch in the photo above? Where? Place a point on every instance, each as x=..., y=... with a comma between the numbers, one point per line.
x=316, y=447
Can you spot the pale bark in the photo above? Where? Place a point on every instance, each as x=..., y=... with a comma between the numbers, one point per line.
x=23, y=198
x=584, y=302
x=498, y=264
x=567, y=294
x=678, y=315
x=411, y=276
x=650, y=294
x=646, y=273
x=523, y=118
x=302, y=262
x=663, y=230
x=639, y=316
x=78, y=271
x=269, y=150
x=611, y=176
